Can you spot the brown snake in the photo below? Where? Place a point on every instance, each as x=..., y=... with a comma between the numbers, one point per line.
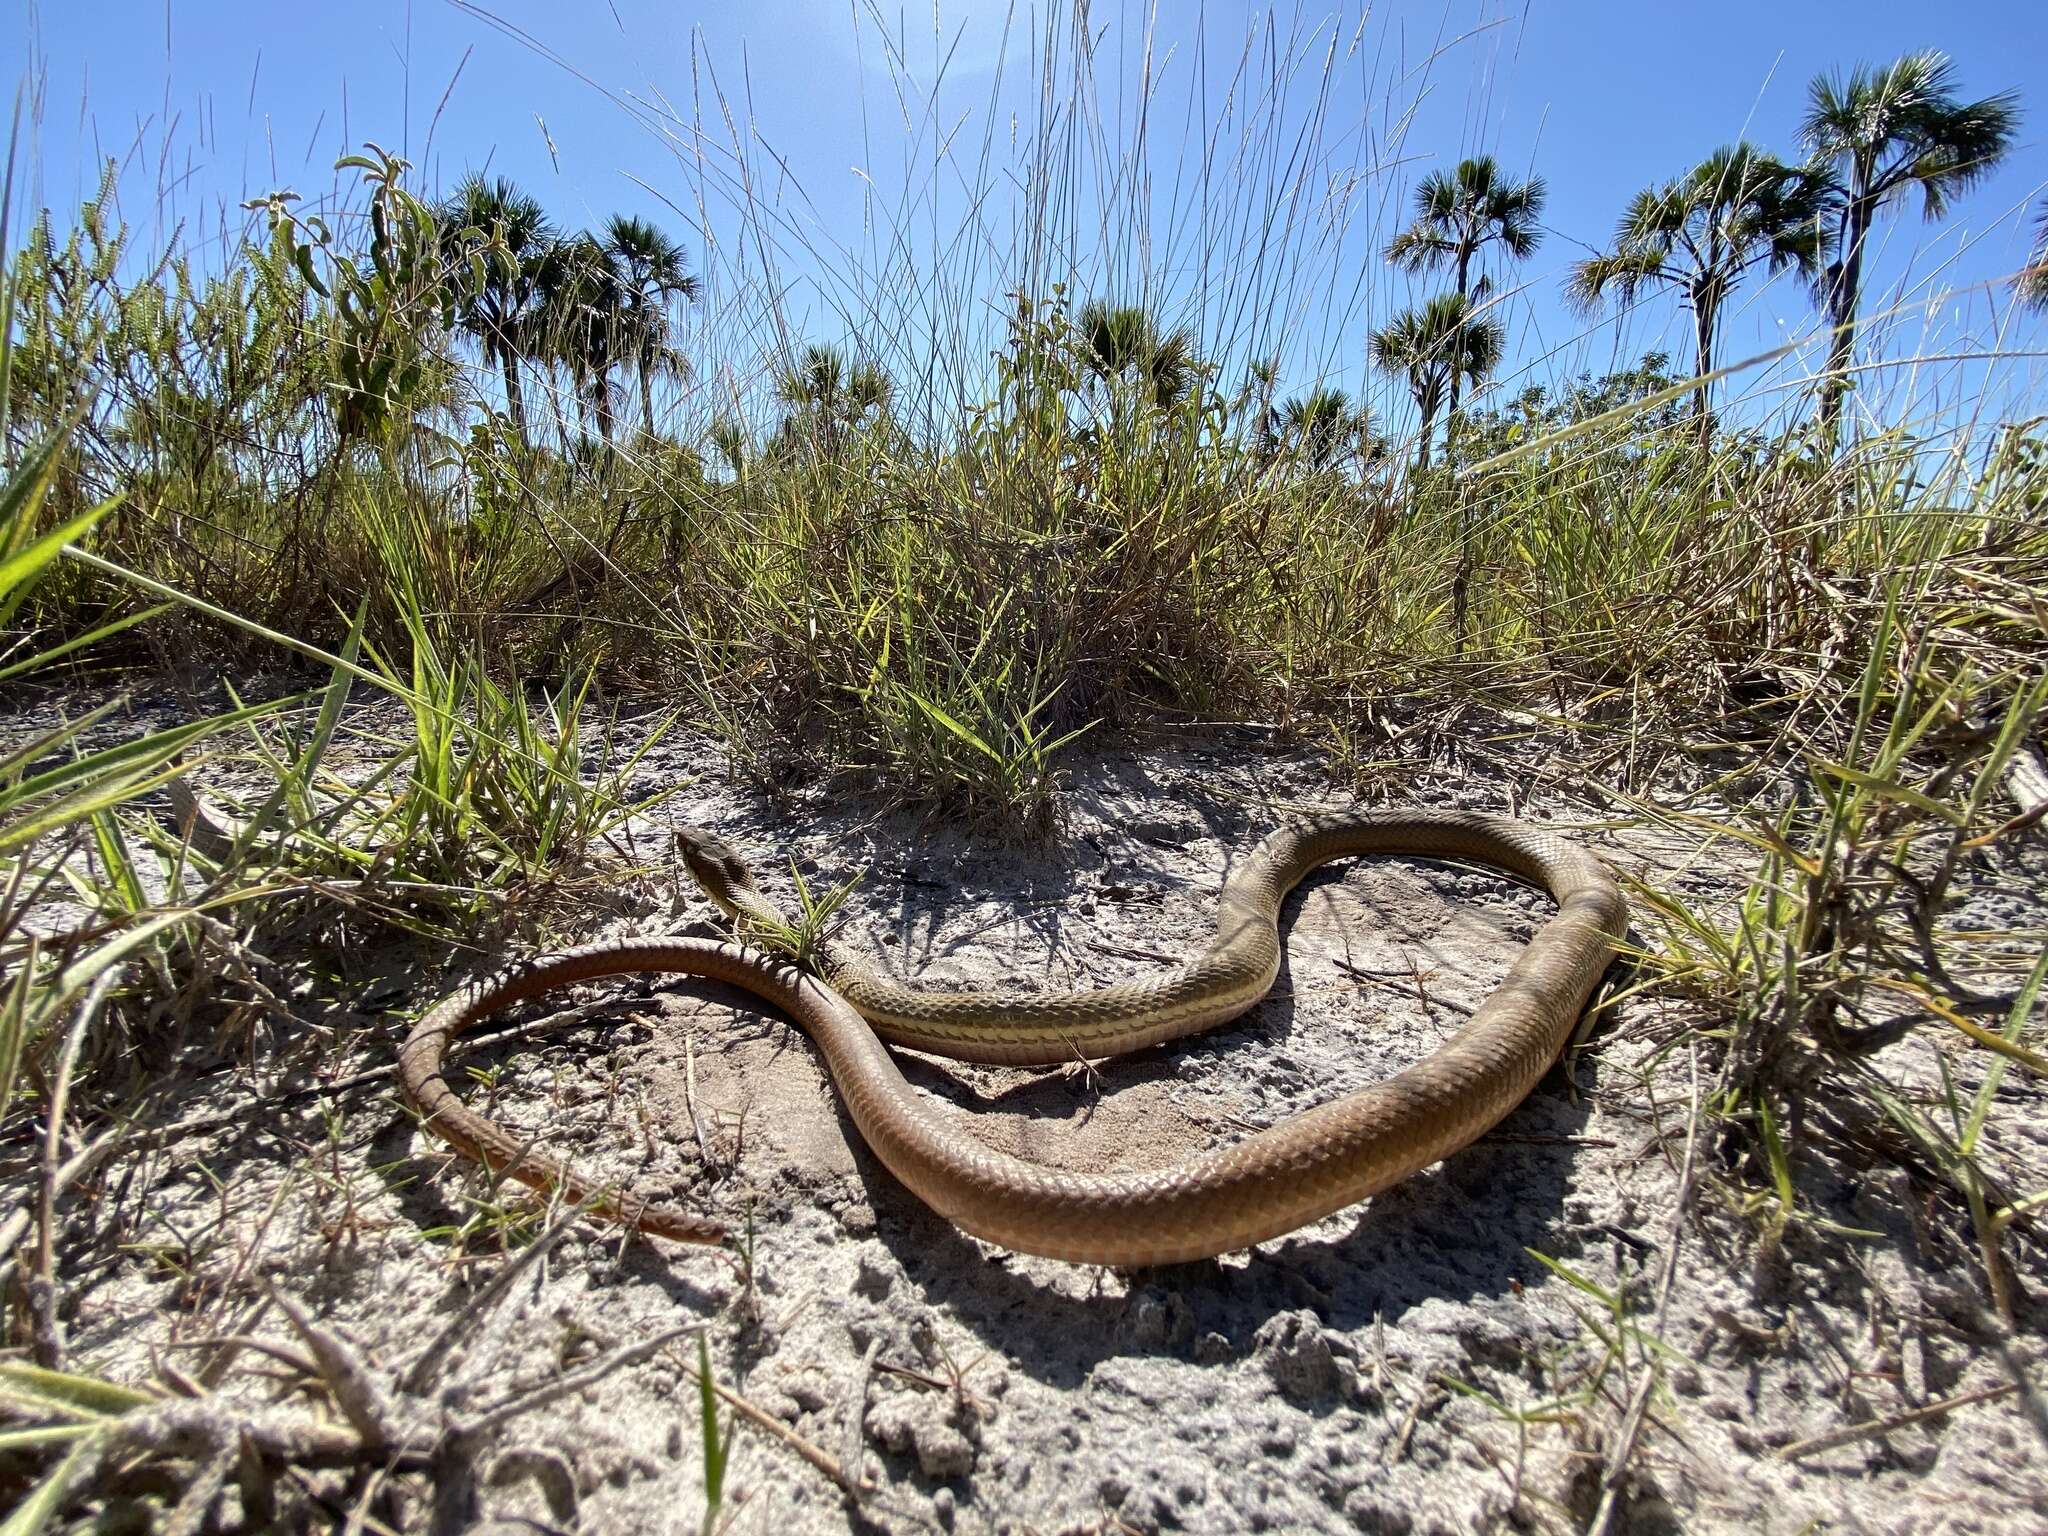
x=1270, y=1183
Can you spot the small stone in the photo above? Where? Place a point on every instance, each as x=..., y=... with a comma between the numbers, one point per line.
x=806, y=1392
x=1917, y=1451
x=1373, y=1509
x=906, y=1424
x=1296, y=1354
x=1156, y=1318
x=1149, y=1509
x=872, y=1280
x=1212, y=1349
x=943, y=1507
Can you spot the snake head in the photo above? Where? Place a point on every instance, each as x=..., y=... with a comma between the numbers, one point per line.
x=714, y=864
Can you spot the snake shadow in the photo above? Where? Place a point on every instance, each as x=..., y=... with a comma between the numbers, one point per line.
x=1460, y=1231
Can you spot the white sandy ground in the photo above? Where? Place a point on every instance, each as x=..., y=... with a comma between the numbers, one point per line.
x=1361, y=1374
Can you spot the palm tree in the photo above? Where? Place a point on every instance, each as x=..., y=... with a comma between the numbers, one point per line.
x=1739, y=208
x=654, y=272
x=1322, y=425
x=829, y=397
x=2032, y=286
x=1877, y=135
x=583, y=320
x=1432, y=346
x=1123, y=347
x=496, y=284
x=729, y=438
x=654, y=360
x=1461, y=212
x=551, y=323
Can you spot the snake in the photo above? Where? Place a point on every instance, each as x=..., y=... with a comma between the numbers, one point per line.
x=1270, y=1183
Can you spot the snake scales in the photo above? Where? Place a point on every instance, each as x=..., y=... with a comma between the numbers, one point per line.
x=1270, y=1183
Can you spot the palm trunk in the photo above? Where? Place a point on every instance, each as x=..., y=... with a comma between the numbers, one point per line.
x=561, y=416
x=1703, y=318
x=647, y=401
x=1844, y=296
x=515, y=399
x=1427, y=401
x=1464, y=292
x=1461, y=580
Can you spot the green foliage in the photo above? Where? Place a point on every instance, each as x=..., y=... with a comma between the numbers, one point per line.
x=717, y=1439
x=494, y=239
x=1539, y=411
x=827, y=401
x=58, y=796
x=1102, y=538
x=1323, y=427
x=69, y=1410
x=1435, y=348
x=388, y=303
x=654, y=273
x=1460, y=212
x=1842, y=942
x=1872, y=137
x=211, y=408
x=1698, y=235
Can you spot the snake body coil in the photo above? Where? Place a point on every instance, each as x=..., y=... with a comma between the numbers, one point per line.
x=1270, y=1183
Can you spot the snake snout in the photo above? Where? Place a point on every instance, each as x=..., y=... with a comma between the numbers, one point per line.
x=713, y=862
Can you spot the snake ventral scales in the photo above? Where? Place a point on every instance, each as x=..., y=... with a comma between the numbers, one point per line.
x=1269, y=1183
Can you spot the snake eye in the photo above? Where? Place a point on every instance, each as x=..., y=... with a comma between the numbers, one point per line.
x=707, y=853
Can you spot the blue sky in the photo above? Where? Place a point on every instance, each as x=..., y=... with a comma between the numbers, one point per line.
x=831, y=179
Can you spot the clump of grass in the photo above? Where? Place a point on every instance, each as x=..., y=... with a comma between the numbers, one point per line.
x=493, y=792
x=802, y=936
x=1851, y=937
